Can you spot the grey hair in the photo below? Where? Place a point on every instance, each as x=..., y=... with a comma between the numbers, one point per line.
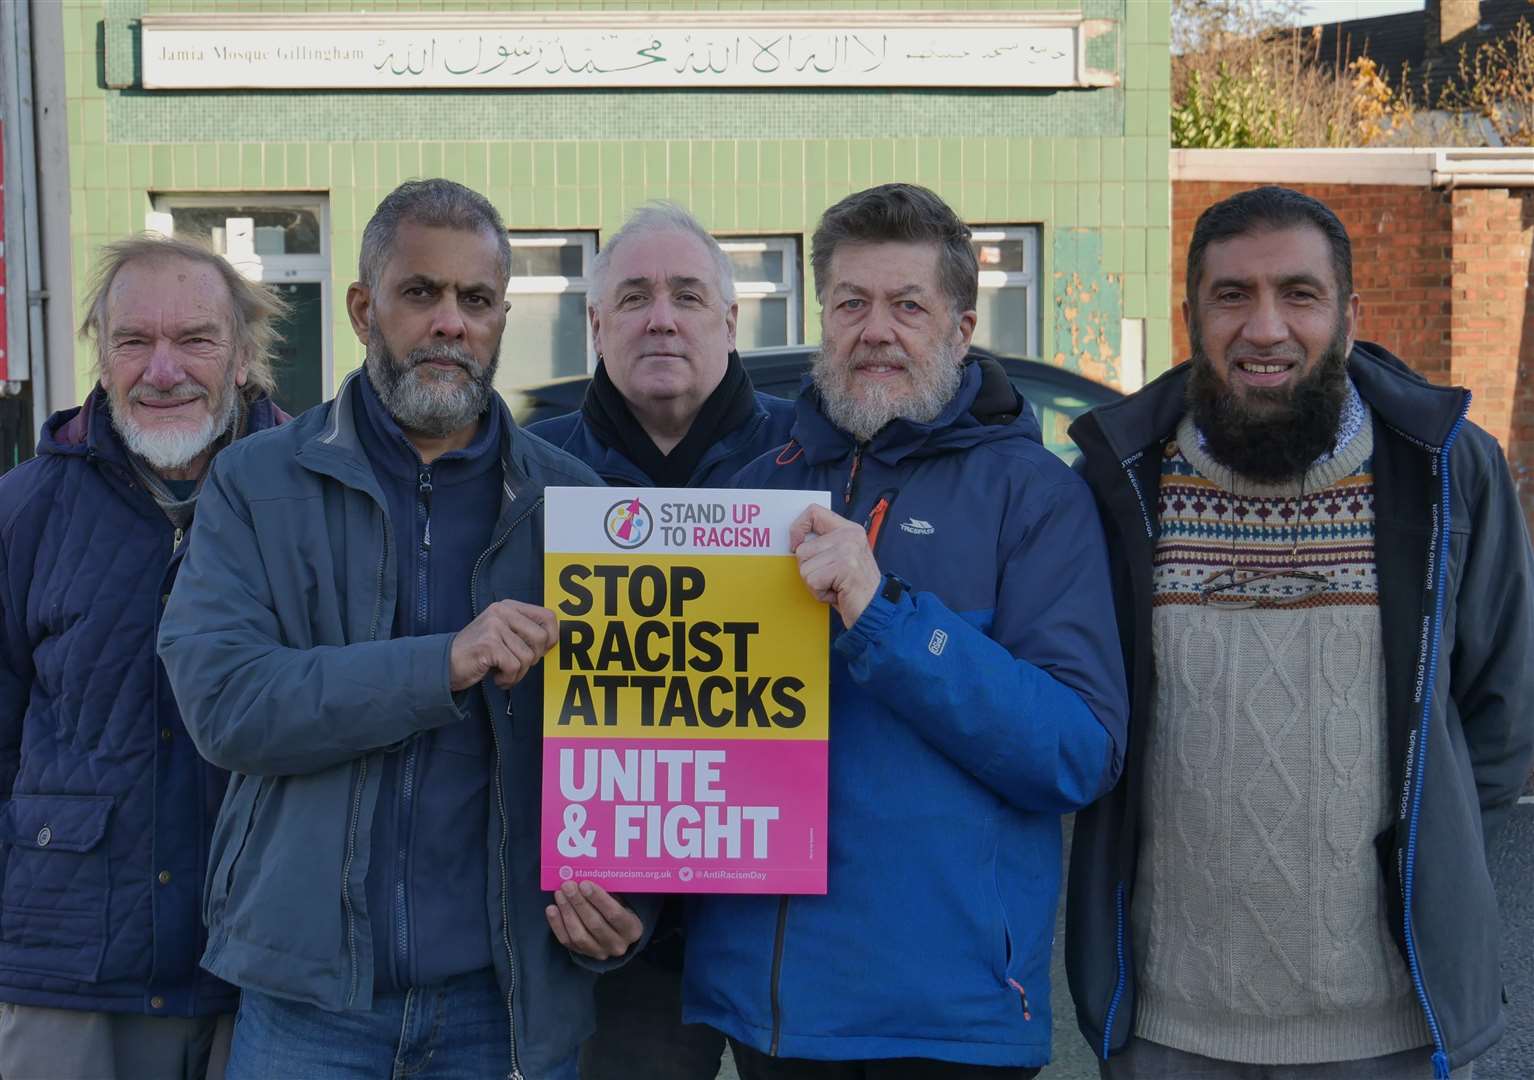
x=904, y=214
x=662, y=216
x=438, y=204
x=255, y=309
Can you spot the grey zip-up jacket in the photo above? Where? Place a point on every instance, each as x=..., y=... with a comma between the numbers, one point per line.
x=1458, y=625
x=276, y=643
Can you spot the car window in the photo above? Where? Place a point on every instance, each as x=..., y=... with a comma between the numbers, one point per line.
x=1055, y=410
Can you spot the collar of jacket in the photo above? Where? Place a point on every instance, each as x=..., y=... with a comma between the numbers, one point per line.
x=955, y=428
x=336, y=450
x=87, y=427
x=1401, y=398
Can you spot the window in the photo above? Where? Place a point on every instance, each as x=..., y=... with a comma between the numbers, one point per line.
x=284, y=241
x=1008, y=308
x=767, y=290
x=547, y=334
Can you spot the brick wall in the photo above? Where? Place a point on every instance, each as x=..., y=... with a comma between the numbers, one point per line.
x=1444, y=277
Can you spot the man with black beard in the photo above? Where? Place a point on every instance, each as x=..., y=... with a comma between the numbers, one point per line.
x=1326, y=595
x=357, y=640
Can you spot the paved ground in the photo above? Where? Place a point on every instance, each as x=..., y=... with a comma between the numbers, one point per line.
x=1511, y=1059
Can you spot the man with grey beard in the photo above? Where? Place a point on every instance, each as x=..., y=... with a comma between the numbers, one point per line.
x=108, y=810
x=976, y=687
x=1327, y=593
x=357, y=640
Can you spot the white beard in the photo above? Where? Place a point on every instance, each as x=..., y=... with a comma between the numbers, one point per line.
x=177, y=447
x=933, y=386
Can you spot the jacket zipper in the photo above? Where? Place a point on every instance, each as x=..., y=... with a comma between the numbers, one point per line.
x=500, y=805
x=873, y=524
x=1440, y=577
x=777, y=971
x=1121, y=974
x=777, y=944
x=411, y=755
x=362, y=776
x=852, y=479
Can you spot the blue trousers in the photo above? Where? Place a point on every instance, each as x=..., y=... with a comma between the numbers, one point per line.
x=454, y=1030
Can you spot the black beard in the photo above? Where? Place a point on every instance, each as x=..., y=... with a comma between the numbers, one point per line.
x=1284, y=435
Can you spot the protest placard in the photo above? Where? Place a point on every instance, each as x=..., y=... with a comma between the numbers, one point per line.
x=685, y=704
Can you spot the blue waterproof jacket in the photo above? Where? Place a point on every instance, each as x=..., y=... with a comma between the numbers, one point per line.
x=108, y=809
x=277, y=643
x=969, y=710
x=766, y=430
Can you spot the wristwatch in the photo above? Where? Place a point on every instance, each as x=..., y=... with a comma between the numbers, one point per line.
x=894, y=586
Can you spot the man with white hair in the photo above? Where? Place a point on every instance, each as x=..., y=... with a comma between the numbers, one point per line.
x=670, y=405
x=109, y=809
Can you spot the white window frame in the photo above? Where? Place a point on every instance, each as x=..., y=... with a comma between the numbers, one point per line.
x=789, y=287
x=1028, y=279
x=271, y=269
x=553, y=284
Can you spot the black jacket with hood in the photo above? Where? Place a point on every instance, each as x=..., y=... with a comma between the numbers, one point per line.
x=1458, y=632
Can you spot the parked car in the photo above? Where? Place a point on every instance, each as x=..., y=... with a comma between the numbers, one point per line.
x=1056, y=395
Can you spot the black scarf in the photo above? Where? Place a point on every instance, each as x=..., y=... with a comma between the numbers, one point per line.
x=732, y=403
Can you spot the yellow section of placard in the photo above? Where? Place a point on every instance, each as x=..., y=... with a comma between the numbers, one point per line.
x=684, y=646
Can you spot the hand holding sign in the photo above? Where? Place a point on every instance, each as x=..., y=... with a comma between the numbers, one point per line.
x=835, y=561
x=591, y=921
x=506, y=640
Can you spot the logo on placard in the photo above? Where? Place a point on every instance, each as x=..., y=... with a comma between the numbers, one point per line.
x=684, y=873
x=565, y=873
x=628, y=524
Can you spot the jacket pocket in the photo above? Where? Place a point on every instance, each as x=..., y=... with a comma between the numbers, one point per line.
x=53, y=904
x=230, y=832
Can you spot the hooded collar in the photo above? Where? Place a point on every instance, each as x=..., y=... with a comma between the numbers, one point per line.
x=979, y=412
x=87, y=428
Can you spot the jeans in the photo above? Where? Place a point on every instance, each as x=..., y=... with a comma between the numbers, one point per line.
x=454, y=1030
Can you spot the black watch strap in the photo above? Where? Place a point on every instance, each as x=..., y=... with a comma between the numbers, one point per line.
x=894, y=585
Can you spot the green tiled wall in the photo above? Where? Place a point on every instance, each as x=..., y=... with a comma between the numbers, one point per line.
x=1079, y=162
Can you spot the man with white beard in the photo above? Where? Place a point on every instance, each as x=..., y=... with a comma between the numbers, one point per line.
x=977, y=689
x=110, y=810
x=356, y=638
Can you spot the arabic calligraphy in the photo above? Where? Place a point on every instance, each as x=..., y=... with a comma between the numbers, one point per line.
x=752, y=54
x=824, y=53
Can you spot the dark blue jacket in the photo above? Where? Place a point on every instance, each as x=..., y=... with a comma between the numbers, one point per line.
x=438, y=782
x=766, y=430
x=1456, y=590
x=277, y=641
x=967, y=714
x=108, y=808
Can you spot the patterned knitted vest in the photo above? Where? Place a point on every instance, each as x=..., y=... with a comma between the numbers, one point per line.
x=1259, y=913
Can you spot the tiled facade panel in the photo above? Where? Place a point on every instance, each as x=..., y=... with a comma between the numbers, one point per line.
x=1092, y=161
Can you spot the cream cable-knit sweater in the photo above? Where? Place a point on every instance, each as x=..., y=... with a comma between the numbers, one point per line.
x=1259, y=913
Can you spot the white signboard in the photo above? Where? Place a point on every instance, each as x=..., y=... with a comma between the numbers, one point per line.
x=767, y=50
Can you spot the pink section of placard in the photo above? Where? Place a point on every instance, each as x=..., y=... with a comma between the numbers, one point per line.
x=683, y=844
